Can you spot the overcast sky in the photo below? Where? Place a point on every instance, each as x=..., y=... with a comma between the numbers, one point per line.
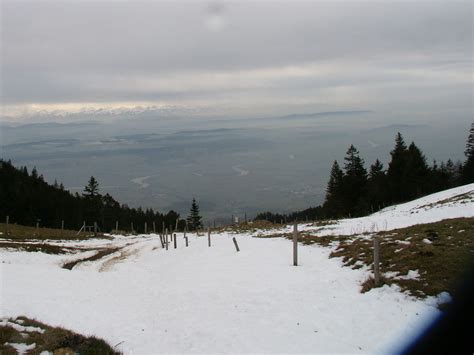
x=410, y=57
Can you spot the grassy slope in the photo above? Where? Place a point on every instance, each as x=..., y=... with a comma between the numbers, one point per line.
x=54, y=339
x=440, y=263
x=20, y=232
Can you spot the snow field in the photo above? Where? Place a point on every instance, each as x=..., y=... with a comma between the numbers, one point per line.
x=202, y=299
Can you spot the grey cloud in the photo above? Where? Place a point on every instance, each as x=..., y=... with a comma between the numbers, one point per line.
x=108, y=51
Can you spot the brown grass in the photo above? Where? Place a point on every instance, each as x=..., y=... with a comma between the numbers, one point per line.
x=19, y=232
x=54, y=339
x=440, y=264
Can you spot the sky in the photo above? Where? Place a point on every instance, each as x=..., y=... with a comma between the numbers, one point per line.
x=236, y=58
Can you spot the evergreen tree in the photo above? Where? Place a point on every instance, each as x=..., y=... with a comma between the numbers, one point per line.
x=397, y=169
x=354, y=183
x=416, y=182
x=468, y=168
x=377, y=186
x=334, y=204
x=92, y=188
x=194, y=219
x=92, y=202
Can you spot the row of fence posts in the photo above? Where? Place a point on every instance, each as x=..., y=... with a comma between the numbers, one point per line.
x=37, y=226
x=168, y=234
x=165, y=242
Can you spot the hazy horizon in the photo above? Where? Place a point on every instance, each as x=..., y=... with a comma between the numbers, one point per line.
x=242, y=105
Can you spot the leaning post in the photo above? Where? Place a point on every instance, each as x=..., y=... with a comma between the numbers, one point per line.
x=236, y=245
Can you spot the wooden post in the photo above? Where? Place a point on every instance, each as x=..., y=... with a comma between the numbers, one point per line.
x=161, y=240
x=163, y=228
x=176, y=226
x=166, y=238
x=245, y=217
x=116, y=226
x=154, y=229
x=209, y=236
x=236, y=245
x=376, y=263
x=95, y=229
x=7, y=221
x=295, y=245
x=131, y=227
x=146, y=228
x=186, y=239
x=174, y=241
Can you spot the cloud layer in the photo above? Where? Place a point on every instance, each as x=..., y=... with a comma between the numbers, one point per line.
x=237, y=58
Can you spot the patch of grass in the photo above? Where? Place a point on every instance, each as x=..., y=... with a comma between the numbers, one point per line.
x=40, y=247
x=441, y=252
x=19, y=232
x=54, y=339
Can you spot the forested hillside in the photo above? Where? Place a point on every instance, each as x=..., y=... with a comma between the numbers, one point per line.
x=353, y=191
x=27, y=199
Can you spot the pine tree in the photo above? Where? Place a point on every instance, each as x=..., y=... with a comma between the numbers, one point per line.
x=92, y=188
x=377, y=186
x=397, y=169
x=93, y=201
x=334, y=204
x=354, y=183
x=416, y=182
x=468, y=167
x=194, y=219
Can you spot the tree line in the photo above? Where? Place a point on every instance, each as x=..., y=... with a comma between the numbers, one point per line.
x=353, y=191
x=27, y=199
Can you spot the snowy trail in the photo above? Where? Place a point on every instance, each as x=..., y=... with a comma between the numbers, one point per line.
x=201, y=299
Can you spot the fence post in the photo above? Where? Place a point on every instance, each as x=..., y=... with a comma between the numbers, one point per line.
x=146, y=228
x=166, y=238
x=186, y=239
x=154, y=229
x=116, y=226
x=7, y=221
x=174, y=241
x=295, y=244
x=209, y=236
x=95, y=229
x=235, y=243
x=176, y=226
x=376, y=262
x=131, y=227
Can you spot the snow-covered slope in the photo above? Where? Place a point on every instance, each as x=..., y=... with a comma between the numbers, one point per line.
x=453, y=203
x=213, y=299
